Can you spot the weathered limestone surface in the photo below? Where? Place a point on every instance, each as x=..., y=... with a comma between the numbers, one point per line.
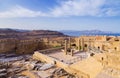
x=7, y=45
x=81, y=68
x=89, y=66
x=20, y=46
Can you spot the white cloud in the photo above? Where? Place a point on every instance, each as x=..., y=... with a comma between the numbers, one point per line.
x=86, y=8
x=19, y=11
x=78, y=8
x=69, y=8
x=112, y=12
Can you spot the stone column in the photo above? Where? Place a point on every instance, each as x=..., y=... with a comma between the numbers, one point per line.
x=82, y=44
x=79, y=44
x=89, y=46
x=65, y=47
x=69, y=42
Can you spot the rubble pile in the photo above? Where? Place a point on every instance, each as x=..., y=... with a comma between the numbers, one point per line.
x=62, y=73
x=11, y=65
x=39, y=69
x=23, y=66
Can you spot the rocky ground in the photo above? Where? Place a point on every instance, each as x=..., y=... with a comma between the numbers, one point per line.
x=23, y=66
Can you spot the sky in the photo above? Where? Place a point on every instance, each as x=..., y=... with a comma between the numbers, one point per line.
x=60, y=14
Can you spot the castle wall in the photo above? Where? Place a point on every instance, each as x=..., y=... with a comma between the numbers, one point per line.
x=27, y=46
x=20, y=46
x=7, y=45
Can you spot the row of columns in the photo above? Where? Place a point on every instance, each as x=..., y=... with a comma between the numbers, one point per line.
x=68, y=46
x=80, y=45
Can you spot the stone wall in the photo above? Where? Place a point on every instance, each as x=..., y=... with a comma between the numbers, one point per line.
x=13, y=45
x=21, y=46
x=7, y=45
x=29, y=46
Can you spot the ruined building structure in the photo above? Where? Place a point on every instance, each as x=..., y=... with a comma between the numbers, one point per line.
x=86, y=56
x=83, y=57
x=101, y=43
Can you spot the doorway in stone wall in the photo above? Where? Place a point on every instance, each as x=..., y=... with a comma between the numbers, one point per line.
x=115, y=48
x=85, y=47
x=98, y=47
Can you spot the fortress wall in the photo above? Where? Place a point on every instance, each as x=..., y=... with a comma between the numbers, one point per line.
x=7, y=45
x=25, y=46
x=20, y=46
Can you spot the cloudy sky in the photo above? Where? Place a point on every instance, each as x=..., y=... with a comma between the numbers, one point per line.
x=61, y=14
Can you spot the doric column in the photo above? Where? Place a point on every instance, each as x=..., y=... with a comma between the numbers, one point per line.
x=65, y=47
x=82, y=44
x=79, y=44
x=69, y=42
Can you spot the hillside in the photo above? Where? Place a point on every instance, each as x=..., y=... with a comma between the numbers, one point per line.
x=15, y=33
